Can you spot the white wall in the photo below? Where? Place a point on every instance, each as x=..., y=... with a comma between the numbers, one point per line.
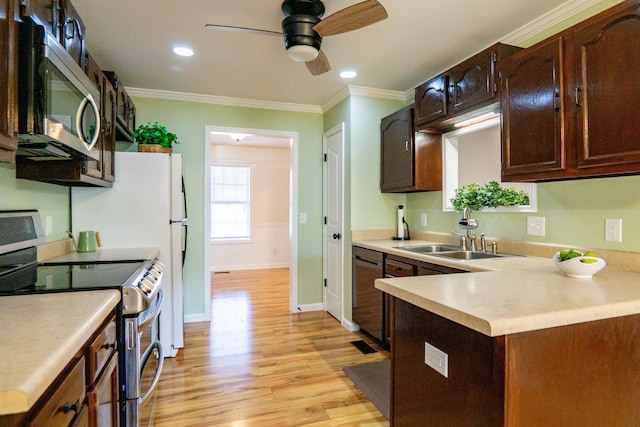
x=270, y=176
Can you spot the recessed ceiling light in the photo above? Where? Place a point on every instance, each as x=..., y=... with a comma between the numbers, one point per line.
x=183, y=51
x=348, y=74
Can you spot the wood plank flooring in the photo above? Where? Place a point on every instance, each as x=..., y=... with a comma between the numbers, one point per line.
x=256, y=364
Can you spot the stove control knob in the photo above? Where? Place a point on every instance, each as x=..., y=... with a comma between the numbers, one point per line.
x=146, y=286
x=157, y=265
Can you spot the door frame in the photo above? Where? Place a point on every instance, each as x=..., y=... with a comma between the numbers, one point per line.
x=293, y=208
x=340, y=128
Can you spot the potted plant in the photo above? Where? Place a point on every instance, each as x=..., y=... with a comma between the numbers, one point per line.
x=475, y=197
x=153, y=137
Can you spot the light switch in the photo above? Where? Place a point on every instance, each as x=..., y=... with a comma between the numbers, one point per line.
x=303, y=217
x=423, y=219
x=535, y=225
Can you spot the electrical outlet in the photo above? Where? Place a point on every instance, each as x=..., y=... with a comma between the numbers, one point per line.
x=303, y=217
x=613, y=229
x=437, y=359
x=423, y=219
x=535, y=225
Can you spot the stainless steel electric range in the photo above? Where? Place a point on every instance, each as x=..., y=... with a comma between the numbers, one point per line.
x=140, y=352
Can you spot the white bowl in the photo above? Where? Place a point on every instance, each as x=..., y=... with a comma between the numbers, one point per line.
x=575, y=267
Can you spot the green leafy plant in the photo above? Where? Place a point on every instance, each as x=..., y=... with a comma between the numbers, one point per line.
x=154, y=133
x=476, y=197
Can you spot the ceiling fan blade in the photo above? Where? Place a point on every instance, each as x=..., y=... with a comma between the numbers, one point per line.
x=351, y=18
x=243, y=29
x=320, y=65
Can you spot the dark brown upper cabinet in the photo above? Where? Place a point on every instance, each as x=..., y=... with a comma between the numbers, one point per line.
x=71, y=32
x=125, y=109
x=9, y=16
x=410, y=161
x=61, y=20
x=568, y=101
x=468, y=86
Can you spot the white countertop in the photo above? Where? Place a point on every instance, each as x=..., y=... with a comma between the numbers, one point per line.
x=512, y=294
x=40, y=335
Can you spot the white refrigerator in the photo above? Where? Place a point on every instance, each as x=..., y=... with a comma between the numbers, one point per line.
x=146, y=207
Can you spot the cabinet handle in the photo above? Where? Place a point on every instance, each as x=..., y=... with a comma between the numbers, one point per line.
x=406, y=146
x=556, y=102
x=578, y=96
x=68, y=407
x=109, y=346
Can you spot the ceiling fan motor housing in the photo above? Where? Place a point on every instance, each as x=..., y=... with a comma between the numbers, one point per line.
x=298, y=30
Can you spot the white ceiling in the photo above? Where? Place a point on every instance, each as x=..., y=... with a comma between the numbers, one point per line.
x=418, y=40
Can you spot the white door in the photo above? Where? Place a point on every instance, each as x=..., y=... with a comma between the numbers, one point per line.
x=333, y=243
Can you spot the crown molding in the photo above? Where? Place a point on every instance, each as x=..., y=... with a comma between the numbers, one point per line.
x=370, y=92
x=555, y=16
x=223, y=100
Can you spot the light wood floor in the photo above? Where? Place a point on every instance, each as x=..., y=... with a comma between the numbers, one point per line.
x=256, y=364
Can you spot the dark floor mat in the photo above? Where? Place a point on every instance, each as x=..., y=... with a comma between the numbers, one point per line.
x=363, y=347
x=374, y=380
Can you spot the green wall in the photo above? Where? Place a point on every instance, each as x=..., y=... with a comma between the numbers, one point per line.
x=188, y=121
x=51, y=200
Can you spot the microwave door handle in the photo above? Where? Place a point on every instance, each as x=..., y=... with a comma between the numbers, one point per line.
x=96, y=111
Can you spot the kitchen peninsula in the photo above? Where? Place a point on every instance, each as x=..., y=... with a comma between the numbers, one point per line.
x=523, y=344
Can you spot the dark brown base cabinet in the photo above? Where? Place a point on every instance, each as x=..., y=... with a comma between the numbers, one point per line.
x=585, y=375
x=568, y=101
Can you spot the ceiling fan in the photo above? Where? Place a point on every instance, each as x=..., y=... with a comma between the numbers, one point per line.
x=303, y=28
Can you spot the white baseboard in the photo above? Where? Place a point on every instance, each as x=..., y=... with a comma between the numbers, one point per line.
x=349, y=325
x=310, y=307
x=195, y=318
x=219, y=268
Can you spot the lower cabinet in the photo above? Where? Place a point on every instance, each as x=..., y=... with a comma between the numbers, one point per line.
x=371, y=308
x=103, y=397
x=584, y=374
x=86, y=393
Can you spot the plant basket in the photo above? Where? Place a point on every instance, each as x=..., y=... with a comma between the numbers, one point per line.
x=153, y=148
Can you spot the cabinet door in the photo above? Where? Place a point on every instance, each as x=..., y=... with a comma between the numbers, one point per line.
x=534, y=143
x=431, y=100
x=9, y=75
x=43, y=12
x=472, y=83
x=607, y=94
x=71, y=32
x=103, y=397
x=397, y=151
x=109, y=131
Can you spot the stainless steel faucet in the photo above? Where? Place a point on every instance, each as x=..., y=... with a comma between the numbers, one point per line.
x=468, y=224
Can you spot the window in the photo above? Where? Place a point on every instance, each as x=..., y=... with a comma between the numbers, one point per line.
x=230, y=202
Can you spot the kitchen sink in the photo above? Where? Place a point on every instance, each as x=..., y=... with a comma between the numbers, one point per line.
x=429, y=249
x=469, y=255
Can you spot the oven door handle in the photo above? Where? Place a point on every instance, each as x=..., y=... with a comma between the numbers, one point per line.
x=156, y=311
x=157, y=349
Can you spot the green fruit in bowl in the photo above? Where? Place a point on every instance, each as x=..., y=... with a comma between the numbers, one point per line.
x=588, y=261
x=568, y=254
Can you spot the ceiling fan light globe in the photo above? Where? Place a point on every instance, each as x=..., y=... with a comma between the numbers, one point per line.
x=302, y=53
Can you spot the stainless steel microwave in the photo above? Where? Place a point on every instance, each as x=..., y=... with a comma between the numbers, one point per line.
x=58, y=113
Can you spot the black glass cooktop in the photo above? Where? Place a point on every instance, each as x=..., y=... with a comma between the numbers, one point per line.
x=60, y=278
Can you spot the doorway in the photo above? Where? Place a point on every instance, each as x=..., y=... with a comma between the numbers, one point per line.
x=259, y=139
